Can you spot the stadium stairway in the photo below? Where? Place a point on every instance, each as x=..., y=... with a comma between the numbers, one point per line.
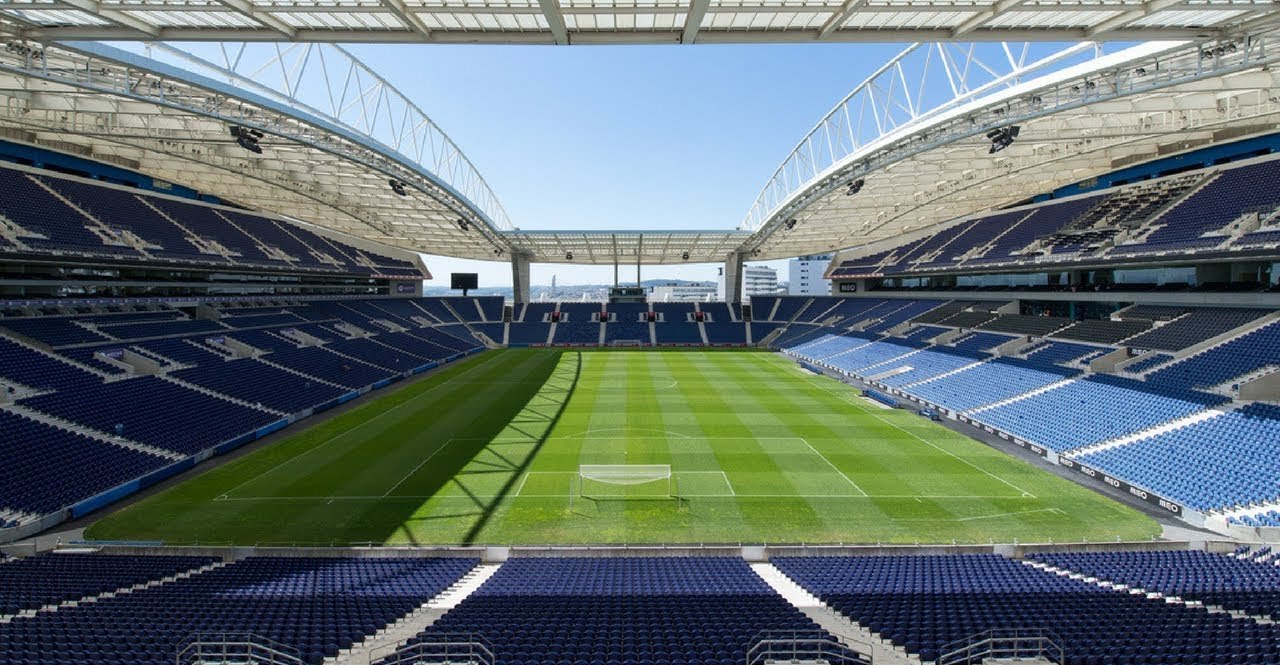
x=1142, y=591
x=1197, y=417
x=221, y=396
x=386, y=641
x=91, y=433
x=1016, y=398
x=849, y=632
x=54, y=607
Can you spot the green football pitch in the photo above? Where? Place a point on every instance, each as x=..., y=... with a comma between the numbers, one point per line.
x=759, y=451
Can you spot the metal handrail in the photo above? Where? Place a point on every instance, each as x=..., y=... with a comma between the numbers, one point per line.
x=795, y=646
x=234, y=647
x=443, y=648
x=1003, y=643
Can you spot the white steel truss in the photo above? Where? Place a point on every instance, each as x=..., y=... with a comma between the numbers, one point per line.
x=887, y=164
x=626, y=247
x=334, y=136
x=629, y=21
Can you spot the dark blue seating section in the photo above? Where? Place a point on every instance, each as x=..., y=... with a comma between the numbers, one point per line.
x=980, y=341
x=156, y=412
x=55, y=331
x=259, y=383
x=50, y=579
x=629, y=323
x=676, y=330
x=1065, y=353
x=315, y=605
x=1215, y=579
x=923, y=603
x=1148, y=362
x=576, y=325
x=1127, y=224
x=1103, y=331
x=45, y=468
x=33, y=369
x=320, y=362
x=170, y=230
x=1194, y=327
x=797, y=333
x=208, y=396
x=1242, y=355
x=623, y=610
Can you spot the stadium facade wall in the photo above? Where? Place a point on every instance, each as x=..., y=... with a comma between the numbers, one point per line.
x=750, y=552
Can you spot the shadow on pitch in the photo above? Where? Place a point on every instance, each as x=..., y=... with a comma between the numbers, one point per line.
x=512, y=427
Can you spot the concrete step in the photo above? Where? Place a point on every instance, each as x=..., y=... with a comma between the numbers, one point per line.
x=848, y=632
x=91, y=433
x=386, y=641
x=26, y=614
x=221, y=396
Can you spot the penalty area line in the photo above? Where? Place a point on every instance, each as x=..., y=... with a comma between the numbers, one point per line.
x=921, y=439
x=833, y=466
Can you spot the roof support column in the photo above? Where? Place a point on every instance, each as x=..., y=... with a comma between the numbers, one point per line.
x=519, y=278
x=733, y=277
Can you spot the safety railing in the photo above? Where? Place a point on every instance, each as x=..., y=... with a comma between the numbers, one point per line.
x=441, y=648
x=233, y=648
x=1025, y=643
x=802, y=646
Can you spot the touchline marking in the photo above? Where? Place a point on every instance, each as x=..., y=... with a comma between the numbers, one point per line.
x=472, y=497
x=357, y=426
x=833, y=466
x=1020, y=512
x=625, y=431
x=415, y=469
x=921, y=439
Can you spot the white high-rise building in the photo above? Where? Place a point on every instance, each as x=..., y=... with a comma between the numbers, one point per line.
x=806, y=275
x=756, y=280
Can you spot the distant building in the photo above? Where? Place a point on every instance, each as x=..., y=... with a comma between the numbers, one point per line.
x=759, y=281
x=683, y=293
x=806, y=275
x=756, y=281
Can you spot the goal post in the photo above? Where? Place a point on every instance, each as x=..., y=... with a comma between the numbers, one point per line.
x=593, y=476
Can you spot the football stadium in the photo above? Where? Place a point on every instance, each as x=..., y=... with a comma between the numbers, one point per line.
x=1030, y=412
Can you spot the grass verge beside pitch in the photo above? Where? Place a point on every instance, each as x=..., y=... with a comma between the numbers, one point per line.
x=487, y=452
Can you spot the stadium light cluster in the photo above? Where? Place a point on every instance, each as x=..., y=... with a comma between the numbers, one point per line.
x=247, y=138
x=1002, y=138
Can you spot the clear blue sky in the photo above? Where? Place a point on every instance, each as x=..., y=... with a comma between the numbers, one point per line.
x=616, y=137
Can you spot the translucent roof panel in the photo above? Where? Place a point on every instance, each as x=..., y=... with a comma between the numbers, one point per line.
x=635, y=21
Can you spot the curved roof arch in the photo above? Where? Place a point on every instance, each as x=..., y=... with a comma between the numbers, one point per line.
x=328, y=165
x=1078, y=122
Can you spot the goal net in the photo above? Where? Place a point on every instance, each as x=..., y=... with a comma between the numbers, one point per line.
x=625, y=481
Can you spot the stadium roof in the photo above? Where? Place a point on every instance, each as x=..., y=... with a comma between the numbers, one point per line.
x=626, y=22
x=606, y=247
x=914, y=135
x=879, y=167
x=327, y=159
